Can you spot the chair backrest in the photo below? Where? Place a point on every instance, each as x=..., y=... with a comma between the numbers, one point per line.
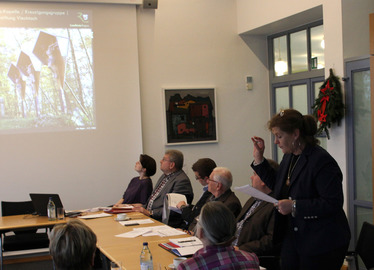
x=16, y=208
x=365, y=244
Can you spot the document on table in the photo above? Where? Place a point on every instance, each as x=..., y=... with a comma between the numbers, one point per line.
x=185, y=251
x=162, y=230
x=248, y=189
x=134, y=233
x=95, y=216
x=136, y=222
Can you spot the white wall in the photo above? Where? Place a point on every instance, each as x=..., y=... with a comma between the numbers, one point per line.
x=195, y=44
x=356, y=43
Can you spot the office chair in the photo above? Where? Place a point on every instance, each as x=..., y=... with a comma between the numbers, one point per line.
x=365, y=246
x=25, y=239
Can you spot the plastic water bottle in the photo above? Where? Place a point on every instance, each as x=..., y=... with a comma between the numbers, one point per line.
x=51, y=210
x=146, y=262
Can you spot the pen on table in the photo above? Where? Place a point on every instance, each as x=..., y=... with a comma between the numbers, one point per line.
x=131, y=224
x=186, y=241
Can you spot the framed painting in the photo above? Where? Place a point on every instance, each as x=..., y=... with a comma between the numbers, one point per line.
x=190, y=116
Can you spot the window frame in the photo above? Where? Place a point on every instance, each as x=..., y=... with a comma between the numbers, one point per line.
x=309, y=78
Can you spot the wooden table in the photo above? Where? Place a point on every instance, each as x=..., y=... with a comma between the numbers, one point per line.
x=17, y=222
x=12, y=223
x=127, y=250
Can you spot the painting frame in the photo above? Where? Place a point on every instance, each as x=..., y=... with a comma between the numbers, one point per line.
x=190, y=115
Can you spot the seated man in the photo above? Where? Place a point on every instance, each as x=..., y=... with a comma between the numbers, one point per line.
x=72, y=246
x=219, y=184
x=202, y=169
x=174, y=180
x=255, y=225
x=216, y=229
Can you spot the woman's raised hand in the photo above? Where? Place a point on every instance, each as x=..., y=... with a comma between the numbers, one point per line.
x=258, y=149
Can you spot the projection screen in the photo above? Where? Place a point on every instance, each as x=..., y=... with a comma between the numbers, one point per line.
x=70, y=118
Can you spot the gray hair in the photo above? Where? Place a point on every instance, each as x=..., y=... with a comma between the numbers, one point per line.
x=176, y=156
x=218, y=223
x=72, y=245
x=223, y=175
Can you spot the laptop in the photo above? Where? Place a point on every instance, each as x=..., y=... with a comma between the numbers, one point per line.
x=40, y=201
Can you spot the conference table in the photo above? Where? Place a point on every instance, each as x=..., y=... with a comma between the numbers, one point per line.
x=117, y=249
x=127, y=250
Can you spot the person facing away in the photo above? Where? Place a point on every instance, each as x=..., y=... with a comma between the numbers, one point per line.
x=173, y=180
x=140, y=187
x=216, y=229
x=72, y=246
x=202, y=169
x=310, y=222
x=255, y=225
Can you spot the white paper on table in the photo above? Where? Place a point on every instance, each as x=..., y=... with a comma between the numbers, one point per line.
x=162, y=230
x=133, y=233
x=187, y=241
x=138, y=221
x=248, y=189
x=95, y=216
x=185, y=251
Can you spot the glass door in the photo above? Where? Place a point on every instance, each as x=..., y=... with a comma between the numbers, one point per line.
x=360, y=196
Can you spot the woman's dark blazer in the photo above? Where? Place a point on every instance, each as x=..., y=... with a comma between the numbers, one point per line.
x=320, y=224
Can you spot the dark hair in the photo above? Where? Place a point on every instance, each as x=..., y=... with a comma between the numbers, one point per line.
x=218, y=223
x=149, y=164
x=289, y=120
x=176, y=156
x=72, y=245
x=204, y=167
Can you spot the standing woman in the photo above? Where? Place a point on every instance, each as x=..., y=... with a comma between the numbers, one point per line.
x=310, y=221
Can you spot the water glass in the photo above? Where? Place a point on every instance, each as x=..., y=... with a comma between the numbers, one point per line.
x=60, y=213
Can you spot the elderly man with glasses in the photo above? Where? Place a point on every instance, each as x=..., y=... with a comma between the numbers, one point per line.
x=219, y=184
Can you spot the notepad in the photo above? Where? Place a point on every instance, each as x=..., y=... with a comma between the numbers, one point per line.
x=183, y=246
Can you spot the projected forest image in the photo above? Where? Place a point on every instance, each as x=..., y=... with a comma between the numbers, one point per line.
x=46, y=79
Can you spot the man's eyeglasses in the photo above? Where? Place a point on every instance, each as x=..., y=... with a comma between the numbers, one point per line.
x=164, y=159
x=209, y=179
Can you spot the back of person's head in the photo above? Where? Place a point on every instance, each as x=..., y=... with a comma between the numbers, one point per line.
x=149, y=164
x=204, y=167
x=72, y=246
x=224, y=176
x=176, y=156
x=217, y=223
x=289, y=120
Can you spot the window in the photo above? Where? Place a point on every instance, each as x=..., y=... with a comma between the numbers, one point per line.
x=296, y=70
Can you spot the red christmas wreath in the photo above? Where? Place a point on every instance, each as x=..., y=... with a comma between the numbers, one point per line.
x=328, y=107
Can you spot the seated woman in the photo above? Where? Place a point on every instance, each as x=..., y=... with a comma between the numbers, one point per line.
x=140, y=187
x=216, y=229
